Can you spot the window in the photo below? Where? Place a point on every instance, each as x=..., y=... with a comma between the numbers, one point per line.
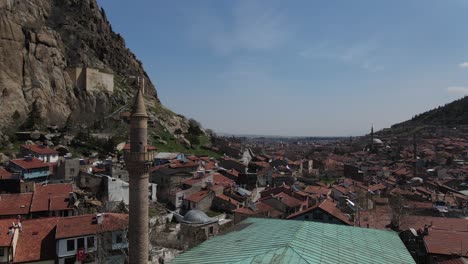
x=90, y=242
x=118, y=238
x=72, y=171
x=211, y=230
x=86, y=180
x=71, y=245
x=80, y=243
x=2, y=252
x=306, y=217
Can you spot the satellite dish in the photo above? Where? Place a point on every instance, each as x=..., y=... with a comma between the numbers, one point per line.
x=120, y=146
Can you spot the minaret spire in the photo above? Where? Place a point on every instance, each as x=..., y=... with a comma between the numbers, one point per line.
x=137, y=162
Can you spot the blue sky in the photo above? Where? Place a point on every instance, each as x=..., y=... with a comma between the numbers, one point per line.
x=299, y=68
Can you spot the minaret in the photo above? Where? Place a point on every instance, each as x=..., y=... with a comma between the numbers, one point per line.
x=372, y=137
x=137, y=162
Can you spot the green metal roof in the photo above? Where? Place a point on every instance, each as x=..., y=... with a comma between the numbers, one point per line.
x=257, y=240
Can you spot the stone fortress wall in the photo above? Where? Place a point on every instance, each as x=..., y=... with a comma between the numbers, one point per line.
x=90, y=79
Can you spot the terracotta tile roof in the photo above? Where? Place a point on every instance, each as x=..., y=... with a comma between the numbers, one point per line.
x=317, y=190
x=261, y=208
x=30, y=164
x=327, y=206
x=58, y=196
x=435, y=223
x=36, y=240
x=447, y=242
x=15, y=204
x=4, y=174
x=460, y=260
x=288, y=200
x=222, y=180
x=5, y=239
x=330, y=207
x=198, y=196
x=233, y=172
x=40, y=149
x=179, y=164
x=228, y=199
x=82, y=225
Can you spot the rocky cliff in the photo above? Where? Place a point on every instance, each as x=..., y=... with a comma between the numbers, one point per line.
x=40, y=39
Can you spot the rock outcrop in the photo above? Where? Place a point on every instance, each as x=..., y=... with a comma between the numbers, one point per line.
x=40, y=39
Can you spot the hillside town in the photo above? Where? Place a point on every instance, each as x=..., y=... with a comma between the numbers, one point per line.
x=59, y=208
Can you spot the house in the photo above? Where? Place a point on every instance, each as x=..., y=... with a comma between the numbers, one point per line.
x=168, y=181
x=67, y=169
x=92, y=237
x=435, y=239
x=85, y=239
x=53, y=200
x=41, y=152
x=258, y=209
x=30, y=168
x=258, y=240
x=38, y=200
x=201, y=200
x=15, y=204
x=283, y=203
x=325, y=212
x=35, y=241
x=6, y=175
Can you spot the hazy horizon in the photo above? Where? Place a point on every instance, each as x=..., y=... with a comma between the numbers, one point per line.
x=318, y=68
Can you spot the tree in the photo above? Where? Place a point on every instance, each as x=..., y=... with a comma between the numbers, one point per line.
x=399, y=212
x=69, y=124
x=34, y=120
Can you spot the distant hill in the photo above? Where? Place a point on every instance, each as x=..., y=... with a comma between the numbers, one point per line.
x=451, y=114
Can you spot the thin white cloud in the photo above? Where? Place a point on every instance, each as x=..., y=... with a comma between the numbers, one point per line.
x=458, y=89
x=249, y=26
x=463, y=65
x=360, y=53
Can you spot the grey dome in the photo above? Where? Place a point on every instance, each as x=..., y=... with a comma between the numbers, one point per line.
x=377, y=141
x=196, y=217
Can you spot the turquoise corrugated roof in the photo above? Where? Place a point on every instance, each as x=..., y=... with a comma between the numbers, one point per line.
x=284, y=241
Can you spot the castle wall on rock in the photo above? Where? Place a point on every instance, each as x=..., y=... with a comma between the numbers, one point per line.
x=90, y=79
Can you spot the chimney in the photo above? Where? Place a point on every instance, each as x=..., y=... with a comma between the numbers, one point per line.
x=99, y=218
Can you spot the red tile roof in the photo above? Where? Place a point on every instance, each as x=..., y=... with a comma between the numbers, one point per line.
x=288, y=200
x=15, y=204
x=447, y=242
x=5, y=239
x=40, y=149
x=327, y=206
x=228, y=199
x=34, y=163
x=4, y=174
x=198, y=196
x=435, y=223
x=36, y=240
x=82, y=225
x=58, y=197
x=222, y=180
x=320, y=190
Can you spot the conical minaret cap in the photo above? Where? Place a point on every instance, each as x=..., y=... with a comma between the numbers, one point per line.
x=139, y=108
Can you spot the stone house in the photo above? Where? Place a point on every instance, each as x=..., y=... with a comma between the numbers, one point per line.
x=41, y=152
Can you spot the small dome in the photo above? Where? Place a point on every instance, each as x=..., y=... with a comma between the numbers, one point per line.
x=196, y=217
x=377, y=141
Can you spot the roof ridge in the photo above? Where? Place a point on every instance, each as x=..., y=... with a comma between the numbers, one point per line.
x=293, y=249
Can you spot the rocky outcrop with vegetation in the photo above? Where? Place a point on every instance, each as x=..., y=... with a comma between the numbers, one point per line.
x=39, y=39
